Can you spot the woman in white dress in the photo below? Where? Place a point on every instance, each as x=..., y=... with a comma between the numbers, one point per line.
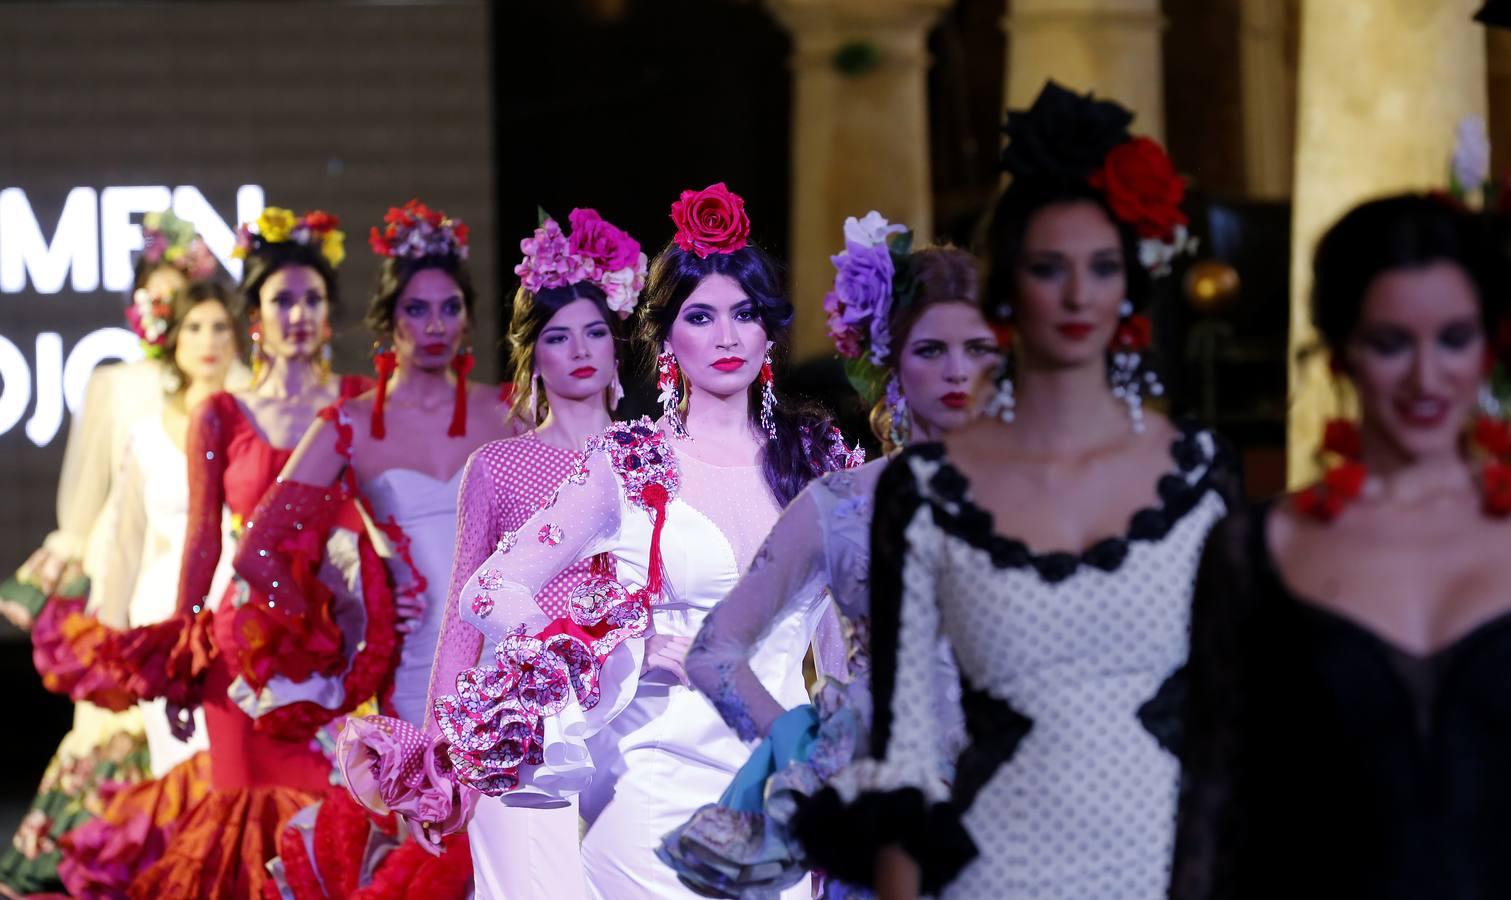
x=928, y=351
x=400, y=448
x=671, y=514
x=137, y=578
x=1054, y=547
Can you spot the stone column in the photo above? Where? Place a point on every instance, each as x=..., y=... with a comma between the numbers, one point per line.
x=1382, y=86
x=1268, y=74
x=860, y=133
x=1111, y=47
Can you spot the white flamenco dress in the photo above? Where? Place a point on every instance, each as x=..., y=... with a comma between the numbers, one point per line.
x=136, y=579
x=419, y=557
x=561, y=707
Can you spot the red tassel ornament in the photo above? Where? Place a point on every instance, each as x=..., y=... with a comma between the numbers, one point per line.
x=384, y=363
x=461, y=364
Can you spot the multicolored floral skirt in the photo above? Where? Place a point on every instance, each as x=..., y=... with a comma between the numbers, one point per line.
x=103, y=752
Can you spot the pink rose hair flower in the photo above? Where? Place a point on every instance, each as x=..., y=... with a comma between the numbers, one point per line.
x=596, y=252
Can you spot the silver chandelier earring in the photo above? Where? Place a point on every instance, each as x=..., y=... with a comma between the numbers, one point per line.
x=535, y=397
x=899, y=425
x=1128, y=372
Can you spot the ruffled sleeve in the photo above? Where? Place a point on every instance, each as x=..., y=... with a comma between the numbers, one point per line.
x=544, y=685
x=787, y=571
x=477, y=532
x=896, y=794
x=169, y=659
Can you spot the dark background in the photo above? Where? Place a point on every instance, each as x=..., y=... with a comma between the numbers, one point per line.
x=492, y=110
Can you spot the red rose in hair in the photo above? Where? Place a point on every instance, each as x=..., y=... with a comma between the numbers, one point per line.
x=379, y=243
x=711, y=221
x=320, y=221
x=1142, y=188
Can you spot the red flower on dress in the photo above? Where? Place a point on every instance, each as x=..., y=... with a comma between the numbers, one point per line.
x=1142, y=188
x=712, y=220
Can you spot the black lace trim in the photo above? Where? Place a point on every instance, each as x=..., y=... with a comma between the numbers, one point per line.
x=1163, y=714
x=974, y=525
x=843, y=839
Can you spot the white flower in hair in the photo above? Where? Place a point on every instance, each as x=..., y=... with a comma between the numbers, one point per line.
x=871, y=230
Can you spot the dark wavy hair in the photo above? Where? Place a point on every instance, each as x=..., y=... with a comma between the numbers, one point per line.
x=532, y=312
x=1402, y=231
x=1011, y=217
x=198, y=292
x=395, y=273
x=798, y=453
x=266, y=259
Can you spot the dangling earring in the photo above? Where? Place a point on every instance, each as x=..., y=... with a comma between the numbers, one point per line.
x=384, y=363
x=899, y=425
x=1489, y=404
x=669, y=382
x=616, y=389
x=1003, y=403
x=461, y=364
x=1127, y=373
x=768, y=396
x=534, y=400
x=325, y=353
x=259, y=356
x=172, y=381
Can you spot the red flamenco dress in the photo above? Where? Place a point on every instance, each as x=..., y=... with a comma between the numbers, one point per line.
x=269, y=675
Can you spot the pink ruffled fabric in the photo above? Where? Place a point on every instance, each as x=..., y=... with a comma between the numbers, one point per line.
x=72, y=652
x=104, y=857
x=388, y=764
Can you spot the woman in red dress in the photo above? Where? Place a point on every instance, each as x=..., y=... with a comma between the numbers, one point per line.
x=267, y=676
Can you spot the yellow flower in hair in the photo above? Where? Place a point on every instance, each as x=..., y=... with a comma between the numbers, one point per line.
x=275, y=225
x=333, y=247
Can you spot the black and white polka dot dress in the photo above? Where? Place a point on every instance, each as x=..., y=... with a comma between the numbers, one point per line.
x=1070, y=668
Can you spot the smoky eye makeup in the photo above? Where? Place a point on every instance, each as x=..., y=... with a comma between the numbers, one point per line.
x=1458, y=335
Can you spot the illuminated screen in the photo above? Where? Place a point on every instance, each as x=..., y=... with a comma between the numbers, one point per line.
x=111, y=111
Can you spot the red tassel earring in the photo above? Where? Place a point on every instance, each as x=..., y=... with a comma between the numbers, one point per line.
x=461, y=364
x=384, y=363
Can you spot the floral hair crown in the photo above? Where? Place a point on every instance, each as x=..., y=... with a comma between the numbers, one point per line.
x=149, y=317
x=1078, y=139
x=710, y=221
x=872, y=276
x=415, y=231
x=595, y=252
x=168, y=239
x=315, y=229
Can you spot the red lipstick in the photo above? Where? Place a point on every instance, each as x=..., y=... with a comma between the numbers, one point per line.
x=729, y=364
x=1076, y=331
x=956, y=400
x=584, y=372
x=1422, y=412
x=435, y=348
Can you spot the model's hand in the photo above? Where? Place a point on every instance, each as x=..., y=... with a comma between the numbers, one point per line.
x=181, y=721
x=896, y=875
x=410, y=608
x=424, y=835
x=669, y=653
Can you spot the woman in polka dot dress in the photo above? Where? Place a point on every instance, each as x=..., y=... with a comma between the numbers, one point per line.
x=1070, y=659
